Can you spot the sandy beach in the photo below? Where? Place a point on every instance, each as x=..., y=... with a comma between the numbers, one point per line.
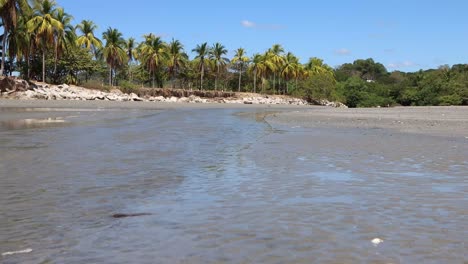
x=441, y=121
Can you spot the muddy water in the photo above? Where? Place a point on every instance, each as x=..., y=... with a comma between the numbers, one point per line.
x=219, y=186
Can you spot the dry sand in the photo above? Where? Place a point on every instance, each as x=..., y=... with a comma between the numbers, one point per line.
x=441, y=121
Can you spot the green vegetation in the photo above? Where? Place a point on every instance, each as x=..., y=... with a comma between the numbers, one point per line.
x=41, y=43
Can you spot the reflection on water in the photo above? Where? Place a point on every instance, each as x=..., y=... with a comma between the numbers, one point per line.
x=32, y=123
x=216, y=186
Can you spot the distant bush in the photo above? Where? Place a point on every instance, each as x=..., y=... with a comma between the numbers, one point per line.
x=128, y=87
x=373, y=100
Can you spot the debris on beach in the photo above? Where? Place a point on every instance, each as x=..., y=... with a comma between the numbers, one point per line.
x=28, y=250
x=129, y=215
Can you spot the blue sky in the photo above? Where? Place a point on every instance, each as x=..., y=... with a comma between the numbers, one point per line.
x=403, y=35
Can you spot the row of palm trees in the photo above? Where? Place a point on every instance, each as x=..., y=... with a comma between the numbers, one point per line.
x=42, y=26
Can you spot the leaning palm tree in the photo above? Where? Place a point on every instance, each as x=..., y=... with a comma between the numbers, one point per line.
x=216, y=53
x=177, y=59
x=10, y=11
x=43, y=25
x=87, y=38
x=153, y=54
x=202, y=52
x=240, y=59
x=113, y=51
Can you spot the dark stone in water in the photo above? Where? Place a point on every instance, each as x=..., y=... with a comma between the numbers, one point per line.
x=129, y=215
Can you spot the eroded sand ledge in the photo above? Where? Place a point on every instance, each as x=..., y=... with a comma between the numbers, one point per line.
x=441, y=121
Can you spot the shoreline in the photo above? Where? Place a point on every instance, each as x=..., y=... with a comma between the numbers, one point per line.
x=451, y=121
x=99, y=104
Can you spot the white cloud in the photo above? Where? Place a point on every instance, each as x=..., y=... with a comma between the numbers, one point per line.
x=248, y=24
x=399, y=65
x=343, y=52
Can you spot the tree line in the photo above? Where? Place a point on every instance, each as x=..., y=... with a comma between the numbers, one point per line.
x=41, y=43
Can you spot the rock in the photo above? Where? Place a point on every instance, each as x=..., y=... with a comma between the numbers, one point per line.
x=116, y=91
x=13, y=85
x=377, y=241
x=134, y=97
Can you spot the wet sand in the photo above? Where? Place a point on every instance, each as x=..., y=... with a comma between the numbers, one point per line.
x=217, y=183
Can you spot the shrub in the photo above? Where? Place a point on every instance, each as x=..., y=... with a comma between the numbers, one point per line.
x=96, y=85
x=128, y=87
x=450, y=100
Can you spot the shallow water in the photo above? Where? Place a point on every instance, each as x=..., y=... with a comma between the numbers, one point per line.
x=225, y=187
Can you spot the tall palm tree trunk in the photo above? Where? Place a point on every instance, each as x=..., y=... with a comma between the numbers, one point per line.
x=173, y=81
x=56, y=58
x=4, y=41
x=216, y=80
x=255, y=81
x=274, y=82
x=43, y=64
x=153, y=79
x=173, y=78
x=240, y=76
x=110, y=76
x=201, y=76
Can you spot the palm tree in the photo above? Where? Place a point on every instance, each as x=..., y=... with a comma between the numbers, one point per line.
x=64, y=37
x=276, y=59
x=316, y=65
x=216, y=53
x=153, y=54
x=87, y=38
x=113, y=52
x=202, y=51
x=44, y=25
x=257, y=68
x=130, y=50
x=10, y=11
x=240, y=59
x=177, y=59
x=290, y=66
